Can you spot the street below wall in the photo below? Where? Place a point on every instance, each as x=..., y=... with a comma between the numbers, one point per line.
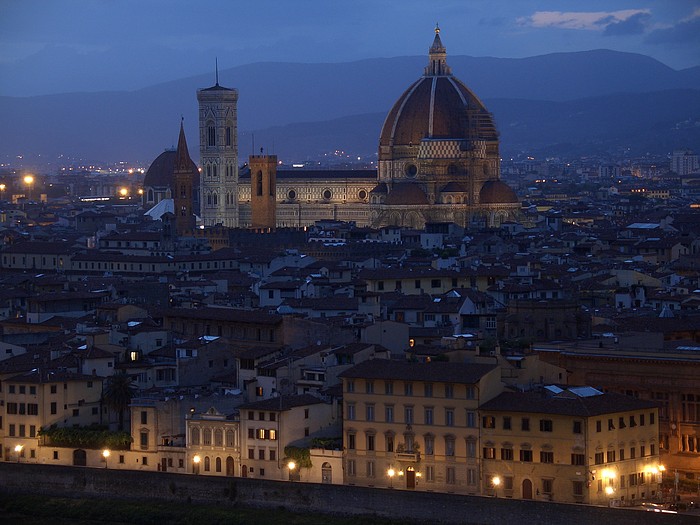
x=310, y=497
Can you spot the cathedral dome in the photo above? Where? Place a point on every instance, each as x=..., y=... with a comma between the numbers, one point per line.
x=436, y=106
x=406, y=194
x=497, y=192
x=160, y=172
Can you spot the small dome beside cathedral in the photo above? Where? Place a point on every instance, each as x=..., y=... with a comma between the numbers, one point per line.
x=497, y=192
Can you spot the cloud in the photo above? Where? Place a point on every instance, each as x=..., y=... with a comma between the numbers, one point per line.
x=685, y=31
x=634, y=25
x=589, y=21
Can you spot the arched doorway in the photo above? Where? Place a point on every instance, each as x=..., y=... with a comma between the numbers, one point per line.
x=410, y=478
x=527, y=489
x=326, y=473
x=79, y=458
x=229, y=466
x=244, y=471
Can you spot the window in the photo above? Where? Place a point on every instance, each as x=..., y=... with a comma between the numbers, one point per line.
x=488, y=422
x=389, y=413
x=428, y=388
x=408, y=389
x=144, y=417
x=598, y=458
x=633, y=453
x=350, y=385
x=53, y=408
x=144, y=439
x=546, y=457
x=350, y=411
x=578, y=427
x=449, y=446
x=633, y=422
x=611, y=424
x=55, y=454
x=450, y=477
x=449, y=417
x=506, y=423
x=546, y=425
x=306, y=413
x=144, y=460
x=388, y=387
x=351, y=467
x=610, y=458
x=211, y=136
x=261, y=416
x=578, y=459
x=652, y=449
x=370, y=441
x=351, y=441
x=507, y=454
x=547, y=485
x=598, y=426
x=642, y=451
x=449, y=391
x=261, y=454
x=370, y=469
x=471, y=476
x=489, y=452
x=369, y=387
x=526, y=455
x=32, y=389
x=251, y=453
x=53, y=389
x=471, y=448
x=429, y=473
x=577, y=488
x=651, y=418
x=260, y=434
x=408, y=415
x=429, y=445
x=429, y=415
x=525, y=424
x=471, y=419
x=389, y=442
x=369, y=412
x=470, y=392
x=622, y=454
x=641, y=420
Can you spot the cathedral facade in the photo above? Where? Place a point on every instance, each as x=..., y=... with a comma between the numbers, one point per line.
x=438, y=162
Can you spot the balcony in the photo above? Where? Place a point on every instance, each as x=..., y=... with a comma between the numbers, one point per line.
x=412, y=457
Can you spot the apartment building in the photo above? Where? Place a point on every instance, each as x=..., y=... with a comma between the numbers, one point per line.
x=415, y=425
x=578, y=445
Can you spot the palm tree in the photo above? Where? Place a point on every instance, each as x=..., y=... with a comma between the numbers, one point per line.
x=117, y=394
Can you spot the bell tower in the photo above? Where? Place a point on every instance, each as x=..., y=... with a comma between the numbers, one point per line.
x=218, y=154
x=263, y=190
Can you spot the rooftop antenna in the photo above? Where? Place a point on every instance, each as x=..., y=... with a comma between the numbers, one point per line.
x=217, y=70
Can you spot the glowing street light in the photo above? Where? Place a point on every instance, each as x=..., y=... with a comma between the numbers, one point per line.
x=391, y=473
x=495, y=481
x=3, y=187
x=123, y=192
x=291, y=466
x=195, y=460
x=18, y=450
x=105, y=455
x=29, y=180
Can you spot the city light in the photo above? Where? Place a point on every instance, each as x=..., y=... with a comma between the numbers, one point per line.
x=391, y=473
x=123, y=192
x=105, y=455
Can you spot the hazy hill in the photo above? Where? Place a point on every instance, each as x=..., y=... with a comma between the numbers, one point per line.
x=139, y=124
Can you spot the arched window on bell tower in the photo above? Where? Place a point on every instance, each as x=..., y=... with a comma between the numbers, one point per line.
x=259, y=183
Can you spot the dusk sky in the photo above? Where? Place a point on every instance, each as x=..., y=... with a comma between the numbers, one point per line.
x=55, y=46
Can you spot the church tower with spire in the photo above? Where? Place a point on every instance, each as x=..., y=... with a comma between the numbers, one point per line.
x=218, y=154
x=183, y=187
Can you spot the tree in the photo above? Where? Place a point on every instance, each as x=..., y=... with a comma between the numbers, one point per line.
x=117, y=394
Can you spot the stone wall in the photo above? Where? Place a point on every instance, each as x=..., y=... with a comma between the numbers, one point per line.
x=300, y=497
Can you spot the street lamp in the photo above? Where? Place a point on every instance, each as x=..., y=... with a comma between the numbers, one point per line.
x=291, y=466
x=195, y=460
x=29, y=180
x=495, y=481
x=3, y=187
x=18, y=449
x=123, y=192
x=105, y=455
x=391, y=473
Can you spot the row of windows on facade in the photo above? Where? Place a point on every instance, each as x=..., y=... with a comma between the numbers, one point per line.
x=211, y=170
x=212, y=199
x=211, y=135
x=22, y=389
x=448, y=389
x=204, y=437
x=417, y=284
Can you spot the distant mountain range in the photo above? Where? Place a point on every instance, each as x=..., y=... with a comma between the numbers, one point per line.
x=563, y=103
